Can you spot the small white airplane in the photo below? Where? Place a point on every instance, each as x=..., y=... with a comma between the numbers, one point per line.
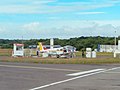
x=56, y=50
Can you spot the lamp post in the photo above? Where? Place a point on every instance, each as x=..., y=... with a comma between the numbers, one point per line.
x=115, y=40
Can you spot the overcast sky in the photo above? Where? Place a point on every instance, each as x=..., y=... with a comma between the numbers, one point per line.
x=58, y=18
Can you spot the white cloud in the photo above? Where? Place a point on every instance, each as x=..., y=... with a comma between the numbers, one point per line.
x=95, y=30
x=1, y=29
x=31, y=26
x=23, y=6
x=43, y=1
x=60, y=29
x=22, y=2
x=69, y=29
x=54, y=18
x=41, y=6
x=88, y=13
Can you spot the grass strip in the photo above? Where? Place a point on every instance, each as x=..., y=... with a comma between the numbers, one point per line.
x=61, y=60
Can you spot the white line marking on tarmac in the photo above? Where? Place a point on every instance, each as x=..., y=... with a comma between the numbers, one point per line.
x=113, y=72
x=84, y=72
x=40, y=68
x=71, y=79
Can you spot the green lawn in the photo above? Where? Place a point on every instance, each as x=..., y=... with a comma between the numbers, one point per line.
x=5, y=52
x=103, y=58
x=61, y=60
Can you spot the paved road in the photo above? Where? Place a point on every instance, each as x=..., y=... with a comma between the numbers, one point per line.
x=26, y=76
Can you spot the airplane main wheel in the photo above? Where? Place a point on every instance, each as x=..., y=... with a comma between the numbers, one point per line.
x=58, y=56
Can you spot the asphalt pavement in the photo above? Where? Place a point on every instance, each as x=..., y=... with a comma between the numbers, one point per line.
x=27, y=76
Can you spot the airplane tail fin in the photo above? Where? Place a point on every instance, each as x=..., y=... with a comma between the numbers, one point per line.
x=40, y=46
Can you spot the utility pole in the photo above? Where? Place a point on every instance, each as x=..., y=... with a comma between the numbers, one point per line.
x=115, y=40
x=22, y=39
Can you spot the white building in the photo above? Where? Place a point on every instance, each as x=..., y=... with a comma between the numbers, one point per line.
x=18, y=50
x=107, y=48
x=117, y=51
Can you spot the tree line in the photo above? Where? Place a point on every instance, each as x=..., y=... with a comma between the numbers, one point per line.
x=78, y=42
